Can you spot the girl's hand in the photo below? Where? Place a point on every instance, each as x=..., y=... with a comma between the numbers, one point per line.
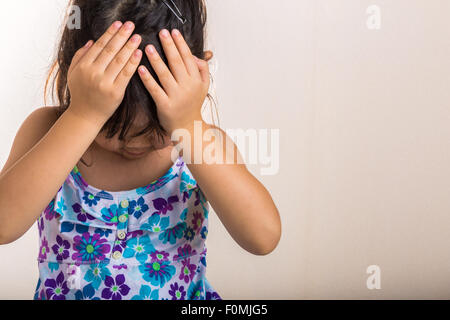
x=99, y=73
x=185, y=85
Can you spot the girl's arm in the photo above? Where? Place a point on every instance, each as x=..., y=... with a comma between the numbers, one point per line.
x=97, y=79
x=241, y=202
x=243, y=205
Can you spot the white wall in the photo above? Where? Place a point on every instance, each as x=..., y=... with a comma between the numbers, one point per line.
x=364, y=152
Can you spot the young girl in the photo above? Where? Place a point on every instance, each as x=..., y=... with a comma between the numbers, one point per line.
x=117, y=218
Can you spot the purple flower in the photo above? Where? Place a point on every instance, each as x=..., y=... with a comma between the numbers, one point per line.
x=61, y=248
x=187, y=271
x=82, y=216
x=43, y=249
x=40, y=223
x=163, y=205
x=56, y=290
x=159, y=256
x=115, y=289
x=49, y=211
x=90, y=248
x=120, y=266
x=197, y=221
x=184, y=252
x=177, y=292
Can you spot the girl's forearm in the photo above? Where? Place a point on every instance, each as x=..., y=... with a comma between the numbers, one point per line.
x=29, y=185
x=241, y=202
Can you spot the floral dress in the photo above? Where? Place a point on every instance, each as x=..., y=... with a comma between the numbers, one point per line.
x=146, y=243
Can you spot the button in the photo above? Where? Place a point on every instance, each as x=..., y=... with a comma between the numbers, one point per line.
x=121, y=235
x=117, y=255
x=124, y=203
x=123, y=218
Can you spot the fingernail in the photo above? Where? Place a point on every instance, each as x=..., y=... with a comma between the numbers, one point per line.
x=128, y=25
x=141, y=70
x=150, y=49
x=137, y=53
x=88, y=43
x=176, y=33
x=117, y=24
x=165, y=33
x=135, y=38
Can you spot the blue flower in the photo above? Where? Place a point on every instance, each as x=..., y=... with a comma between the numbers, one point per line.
x=172, y=234
x=110, y=214
x=156, y=224
x=204, y=232
x=61, y=206
x=145, y=293
x=137, y=208
x=157, y=272
x=90, y=199
x=96, y=274
x=87, y=293
x=139, y=247
x=187, y=183
x=189, y=234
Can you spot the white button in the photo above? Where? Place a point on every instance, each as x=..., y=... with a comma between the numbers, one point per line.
x=124, y=203
x=123, y=218
x=121, y=235
x=117, y=255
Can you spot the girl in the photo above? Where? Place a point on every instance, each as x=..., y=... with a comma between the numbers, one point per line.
x=117, y=218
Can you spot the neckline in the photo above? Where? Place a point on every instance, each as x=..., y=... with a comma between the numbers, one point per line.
x=79, y=180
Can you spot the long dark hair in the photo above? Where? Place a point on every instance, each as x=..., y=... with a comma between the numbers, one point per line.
x=149, y=17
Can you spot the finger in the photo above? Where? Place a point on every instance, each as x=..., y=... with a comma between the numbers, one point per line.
x=185, y=53
x=122, y=58
x=103, y=41
x=176, y=63
x=123, y=78
x=114, y=45
x=157, y=93
x=80, y=54
x=203, y=68
x=162, y=71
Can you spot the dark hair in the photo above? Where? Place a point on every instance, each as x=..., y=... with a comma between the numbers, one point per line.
x=149, y=17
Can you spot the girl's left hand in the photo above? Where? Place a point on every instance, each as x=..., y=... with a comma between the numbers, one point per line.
x=185, y=84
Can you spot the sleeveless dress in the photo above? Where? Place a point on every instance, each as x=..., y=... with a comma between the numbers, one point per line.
x=142, y=244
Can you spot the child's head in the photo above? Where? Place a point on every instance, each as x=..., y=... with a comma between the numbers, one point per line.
x=136, y=118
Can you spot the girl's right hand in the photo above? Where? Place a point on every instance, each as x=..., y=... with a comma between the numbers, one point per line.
x=99, y=73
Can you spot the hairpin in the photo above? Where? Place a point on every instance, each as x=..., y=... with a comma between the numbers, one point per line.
x=178, y=14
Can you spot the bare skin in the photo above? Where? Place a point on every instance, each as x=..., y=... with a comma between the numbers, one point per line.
x=97, y=79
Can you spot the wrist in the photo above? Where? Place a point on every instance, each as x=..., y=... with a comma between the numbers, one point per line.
x=91, y=120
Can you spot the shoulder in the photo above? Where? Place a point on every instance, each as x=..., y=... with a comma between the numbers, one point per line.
x=31, y=131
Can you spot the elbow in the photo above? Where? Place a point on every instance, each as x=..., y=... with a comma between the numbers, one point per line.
x=269, y=243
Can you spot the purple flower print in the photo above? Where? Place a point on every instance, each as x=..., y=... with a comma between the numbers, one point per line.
x=40, y=223
x=115, y=289
x=120, y=266
x=89, y=248
x=212, y=296
x=177, y=292
x=163, y=205
x=187, y=271
x=56, y=289
x=197, y=221
x=82, y=215
x=49, y=212
x=43, y=249
x=184, y=252
x=159, y=256
x=61, y=248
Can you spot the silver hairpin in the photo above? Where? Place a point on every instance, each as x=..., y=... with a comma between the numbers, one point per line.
x=178, y=14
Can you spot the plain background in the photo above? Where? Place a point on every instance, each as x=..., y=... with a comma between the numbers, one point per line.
x=364, y=118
